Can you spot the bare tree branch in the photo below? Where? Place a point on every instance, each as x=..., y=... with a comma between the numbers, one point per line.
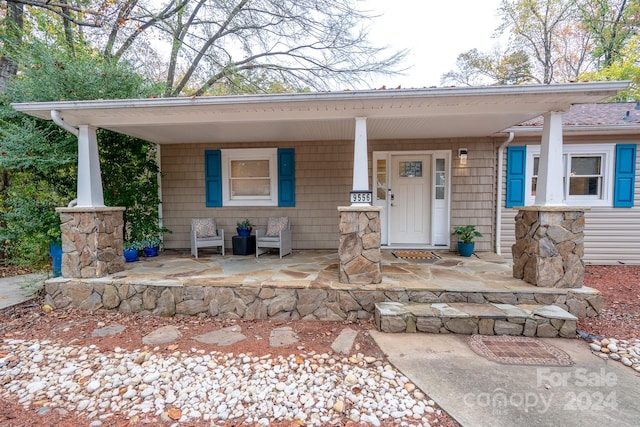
x=62, y=9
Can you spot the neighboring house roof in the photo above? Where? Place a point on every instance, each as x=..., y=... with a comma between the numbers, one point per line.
x=614, y=118
x=327, y=116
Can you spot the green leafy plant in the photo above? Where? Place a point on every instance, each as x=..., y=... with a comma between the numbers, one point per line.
x=244, y=225
x=466, y=233
x=133, y=244
x=151, y=242
x=39, y=159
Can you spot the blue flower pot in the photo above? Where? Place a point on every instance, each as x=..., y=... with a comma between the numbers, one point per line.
x=244, y=232
x=151, y=252
x=55, y=250
x=130, y=255
x=466, y=249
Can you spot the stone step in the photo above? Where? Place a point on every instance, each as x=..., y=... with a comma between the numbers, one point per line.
x=544, y=321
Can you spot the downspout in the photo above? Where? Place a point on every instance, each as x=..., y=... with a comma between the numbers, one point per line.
x=55, y=116
x=499, y=192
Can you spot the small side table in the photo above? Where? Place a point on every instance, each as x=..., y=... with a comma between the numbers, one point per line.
x=244, y=245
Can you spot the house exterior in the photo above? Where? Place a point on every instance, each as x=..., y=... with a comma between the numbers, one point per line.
x=431, y=158
x=600, y=172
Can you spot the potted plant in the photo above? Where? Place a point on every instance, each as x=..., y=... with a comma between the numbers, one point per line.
x=244, y=227
x=131, y=249
x=466, y=234
x=151, y=245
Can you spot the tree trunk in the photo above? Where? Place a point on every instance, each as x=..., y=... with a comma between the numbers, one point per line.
x=13, y=23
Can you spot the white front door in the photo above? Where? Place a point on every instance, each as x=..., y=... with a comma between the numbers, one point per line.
x=410, y=200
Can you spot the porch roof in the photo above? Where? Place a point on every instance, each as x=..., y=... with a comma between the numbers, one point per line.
x=452, y=112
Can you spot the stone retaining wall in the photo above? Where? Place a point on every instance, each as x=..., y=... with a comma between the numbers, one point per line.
x=549, y=246
x=242, y=302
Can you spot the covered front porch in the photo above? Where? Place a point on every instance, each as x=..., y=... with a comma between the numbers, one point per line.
x=305, y=285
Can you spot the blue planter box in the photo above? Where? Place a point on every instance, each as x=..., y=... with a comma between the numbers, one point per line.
x=55, y=250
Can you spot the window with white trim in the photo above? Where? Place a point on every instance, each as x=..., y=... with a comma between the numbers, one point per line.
x=588, y=174
x=250, y=177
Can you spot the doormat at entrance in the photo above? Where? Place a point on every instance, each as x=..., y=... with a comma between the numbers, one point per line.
x=517, y=350
x=416, y=255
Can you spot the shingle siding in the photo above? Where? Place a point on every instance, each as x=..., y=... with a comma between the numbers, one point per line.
x=323, y=180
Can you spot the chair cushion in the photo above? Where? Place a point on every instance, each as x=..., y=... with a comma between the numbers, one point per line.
x=205, y=227
x=276, y=225
x=209, y=239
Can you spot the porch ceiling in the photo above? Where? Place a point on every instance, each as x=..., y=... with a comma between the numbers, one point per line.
x=391, y=114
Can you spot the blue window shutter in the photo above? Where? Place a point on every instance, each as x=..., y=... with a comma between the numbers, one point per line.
x=516, y=175
x=625, y=176
x=286, y=177
x=213, y=178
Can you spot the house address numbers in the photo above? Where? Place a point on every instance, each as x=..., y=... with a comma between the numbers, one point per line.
x=361, y=197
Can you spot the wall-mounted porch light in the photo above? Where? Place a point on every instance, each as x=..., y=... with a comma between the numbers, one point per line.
x=462, y=155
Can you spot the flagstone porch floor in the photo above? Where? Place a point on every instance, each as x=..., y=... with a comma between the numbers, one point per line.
x=304, y=285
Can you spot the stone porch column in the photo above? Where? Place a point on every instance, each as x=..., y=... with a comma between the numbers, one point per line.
x=359, y=250
x=92, y=241
x=549, y=246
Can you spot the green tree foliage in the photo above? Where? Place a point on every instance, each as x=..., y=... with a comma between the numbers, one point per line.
x=553, y=41
x=41, y=158
x=130, y=179
x=195, y=45
x=475, y=68
x=544, y=29
x=610, y=23
x=625, y=67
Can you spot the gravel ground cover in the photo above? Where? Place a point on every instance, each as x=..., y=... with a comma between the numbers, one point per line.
x=116, y=380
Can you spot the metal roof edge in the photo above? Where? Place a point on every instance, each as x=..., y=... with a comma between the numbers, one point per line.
x=609, y=87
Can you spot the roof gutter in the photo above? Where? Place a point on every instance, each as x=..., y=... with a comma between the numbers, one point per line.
x=578, y=129
x=499, y=192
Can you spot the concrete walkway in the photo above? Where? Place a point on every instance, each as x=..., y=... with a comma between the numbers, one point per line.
x=17, y=289
x=479, y=392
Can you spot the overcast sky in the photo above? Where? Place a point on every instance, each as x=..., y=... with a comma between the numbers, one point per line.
x=434, y=31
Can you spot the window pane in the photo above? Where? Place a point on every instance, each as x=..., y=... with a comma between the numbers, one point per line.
x=381, y=184
x=410, y=169
x=534, y=185
x=585, y=165
x=584, y=186
x=439, y=178
x=536, y=162
x=440, y=193
x=250, y=187
x=249, y=168
x=439, y=165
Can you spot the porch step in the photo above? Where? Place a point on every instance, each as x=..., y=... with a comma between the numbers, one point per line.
x=544, y=321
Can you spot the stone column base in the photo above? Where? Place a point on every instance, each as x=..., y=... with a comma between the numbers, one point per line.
x=92, y=241
x=549, y=246
x=359, y=250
